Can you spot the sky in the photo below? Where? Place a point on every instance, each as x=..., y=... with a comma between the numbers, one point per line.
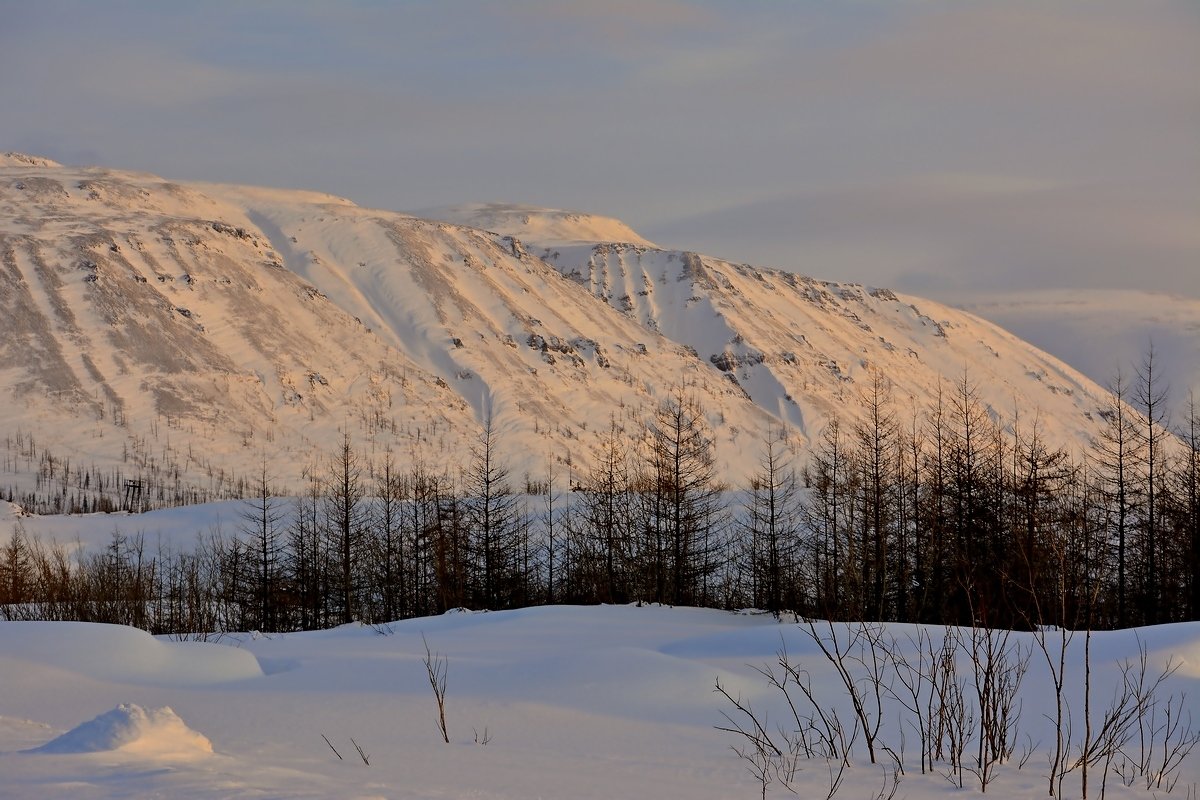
x=939, y=148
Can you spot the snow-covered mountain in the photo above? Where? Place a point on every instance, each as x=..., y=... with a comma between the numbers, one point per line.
x=549, y=227
x=774, y=331
x=211, y=326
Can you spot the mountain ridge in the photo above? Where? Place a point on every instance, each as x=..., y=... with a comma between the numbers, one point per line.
x=228, y=325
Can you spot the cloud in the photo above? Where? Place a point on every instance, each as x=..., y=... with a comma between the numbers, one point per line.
x=915, y=142
x=1027, y=49
x=942, y=234
x=616, y=22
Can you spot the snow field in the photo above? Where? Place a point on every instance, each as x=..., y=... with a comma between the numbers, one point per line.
x=596, y=702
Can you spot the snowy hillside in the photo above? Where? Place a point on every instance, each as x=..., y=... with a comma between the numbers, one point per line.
x=544, y=226
x=207, y=327
x=502, y=328
x=802, y=348
x=1099, y=332
x=145, y=315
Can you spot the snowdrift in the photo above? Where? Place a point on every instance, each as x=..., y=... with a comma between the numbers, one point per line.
x=123, y=655
x=131, y=729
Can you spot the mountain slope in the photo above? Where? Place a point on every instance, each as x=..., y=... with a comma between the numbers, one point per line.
x=209, y=327
x=143, y=308
x=1100, y=332
x=252, y=322
x=513, y=338
x=802, y=347
x=548, y=227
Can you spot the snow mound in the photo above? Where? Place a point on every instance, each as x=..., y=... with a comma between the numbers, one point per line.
x=128, y=728
x=10, y=512
x=120, y=654
x=11, y=159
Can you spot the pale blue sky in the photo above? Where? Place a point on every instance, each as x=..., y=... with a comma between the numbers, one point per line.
x=936, y=147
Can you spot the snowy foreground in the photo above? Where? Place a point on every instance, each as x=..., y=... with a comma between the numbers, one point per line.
x=601, y=702
x=574, y=702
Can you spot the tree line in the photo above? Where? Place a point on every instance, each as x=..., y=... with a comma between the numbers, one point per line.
x=957, y=516
x=943, y=514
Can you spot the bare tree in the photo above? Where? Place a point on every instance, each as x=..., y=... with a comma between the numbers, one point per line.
x=550, y=526
x=424, y=532
x=770, y=526
x=683, y=523
x=999, y=668
x=306, y=559
x=1114, y=453
x=16, y=572
x=389, y=571
x=605, y=514
x=492, y=520
x=346, y=526
x=877, y=451
x=815, y=730
x=437, y=667
x=827, y=477
x=261, y=523
x=1152, y=434
x=1187, y=506
x=863, y=665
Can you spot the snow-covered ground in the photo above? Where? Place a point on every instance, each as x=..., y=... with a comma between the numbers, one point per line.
x=177, y=528
x=602, y=702
x=555, y=702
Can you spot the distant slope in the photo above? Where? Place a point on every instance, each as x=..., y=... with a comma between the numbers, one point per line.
x=1100, y=332
x=547, y=227
x=802, y=348
x=211, y=326
x=502, y=328
x=136, y=306
x=11, y=159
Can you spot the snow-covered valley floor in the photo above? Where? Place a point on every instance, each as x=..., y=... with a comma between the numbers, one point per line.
x=572, y=702
x=599, y=702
